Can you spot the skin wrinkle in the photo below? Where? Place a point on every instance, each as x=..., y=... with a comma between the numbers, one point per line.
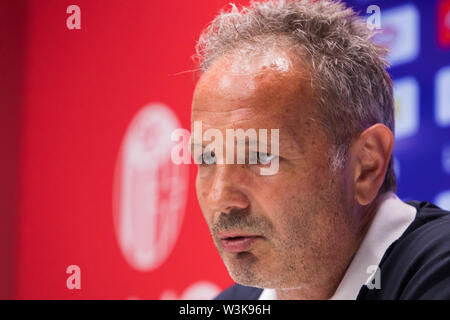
x=288, y=139
x=263, y=79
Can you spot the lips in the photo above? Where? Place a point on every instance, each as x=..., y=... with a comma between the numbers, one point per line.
x=237, y=242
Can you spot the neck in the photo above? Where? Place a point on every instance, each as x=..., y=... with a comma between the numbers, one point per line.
x=365, y=215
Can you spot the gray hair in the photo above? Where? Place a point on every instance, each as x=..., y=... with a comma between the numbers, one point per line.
x=348, y=70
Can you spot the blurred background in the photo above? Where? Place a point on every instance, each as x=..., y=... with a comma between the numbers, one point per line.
x=91, y=206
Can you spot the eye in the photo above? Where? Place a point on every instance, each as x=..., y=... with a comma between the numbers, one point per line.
x=265, y=158
x=209, y=158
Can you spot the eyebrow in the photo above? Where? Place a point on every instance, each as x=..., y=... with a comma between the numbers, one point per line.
x=203, y=145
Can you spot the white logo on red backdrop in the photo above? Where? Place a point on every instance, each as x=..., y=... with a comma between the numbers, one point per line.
x=149, y=190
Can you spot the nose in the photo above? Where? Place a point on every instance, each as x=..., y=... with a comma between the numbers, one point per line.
x=225, y=194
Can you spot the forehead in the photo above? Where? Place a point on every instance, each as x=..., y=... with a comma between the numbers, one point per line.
x=265, y=90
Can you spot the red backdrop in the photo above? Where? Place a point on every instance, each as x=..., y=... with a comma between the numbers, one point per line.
x=68, y=99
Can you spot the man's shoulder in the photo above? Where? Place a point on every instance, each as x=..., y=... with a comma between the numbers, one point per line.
x=417, y=265
x=426, y=239
x=239, y=292
x=430, y=229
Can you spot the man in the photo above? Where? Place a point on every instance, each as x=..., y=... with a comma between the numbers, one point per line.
x=329, y=218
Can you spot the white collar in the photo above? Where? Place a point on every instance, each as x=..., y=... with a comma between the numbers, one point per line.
x=268, y=294
x=390, y=222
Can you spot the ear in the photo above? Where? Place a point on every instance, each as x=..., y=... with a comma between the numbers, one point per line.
x=371, y=153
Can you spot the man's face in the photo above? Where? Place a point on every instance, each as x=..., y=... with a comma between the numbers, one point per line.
x=287, y=230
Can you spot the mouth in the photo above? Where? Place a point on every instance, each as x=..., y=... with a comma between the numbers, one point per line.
x=237, y=242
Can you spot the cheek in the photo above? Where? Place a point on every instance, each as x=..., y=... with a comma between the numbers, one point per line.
x=199, y=187
x=295, y=202
x=201, y=191
x=203, y=182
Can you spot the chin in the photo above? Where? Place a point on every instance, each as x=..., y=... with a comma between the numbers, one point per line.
x=256, y=281
x=246, y=271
